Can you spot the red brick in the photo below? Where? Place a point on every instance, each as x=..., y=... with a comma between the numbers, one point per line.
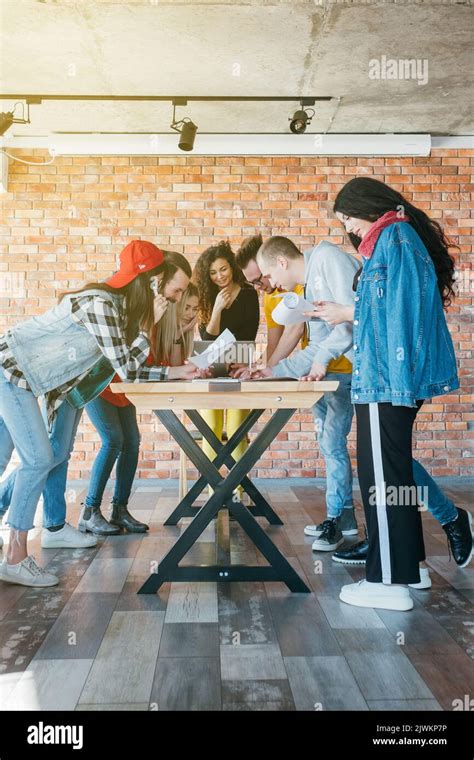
x=116, y=198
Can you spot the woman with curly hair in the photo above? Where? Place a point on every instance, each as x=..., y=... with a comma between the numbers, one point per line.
x=226, y=301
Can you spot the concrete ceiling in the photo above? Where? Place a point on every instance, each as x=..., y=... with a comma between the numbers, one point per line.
x=253, y=47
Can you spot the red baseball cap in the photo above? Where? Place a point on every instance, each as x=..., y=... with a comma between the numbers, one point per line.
x=137, y=257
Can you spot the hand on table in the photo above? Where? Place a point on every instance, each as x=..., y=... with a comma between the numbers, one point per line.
x=260, y=372
x=238, y=370
x=317, y=372
x=187, y=371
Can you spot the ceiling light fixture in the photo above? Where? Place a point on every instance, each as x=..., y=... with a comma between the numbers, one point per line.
x=8, y=118
x=301, y=118
x=186, y=128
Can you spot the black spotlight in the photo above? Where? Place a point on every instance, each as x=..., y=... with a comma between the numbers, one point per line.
x=188, y=134
x=299, y=122
x=6, y=120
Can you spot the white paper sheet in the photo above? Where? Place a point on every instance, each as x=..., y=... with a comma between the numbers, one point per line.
x=215, y=351
x=290, y=309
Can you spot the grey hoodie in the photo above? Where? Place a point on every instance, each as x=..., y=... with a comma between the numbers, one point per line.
x=329, y=274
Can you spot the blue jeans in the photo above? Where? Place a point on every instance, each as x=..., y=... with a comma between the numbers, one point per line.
x=61, y=439
x=439, y=505
x=333, y=417
x=22, y=427
x=118, y=430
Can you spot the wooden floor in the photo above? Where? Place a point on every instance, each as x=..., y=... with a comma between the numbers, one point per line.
x=92, y=643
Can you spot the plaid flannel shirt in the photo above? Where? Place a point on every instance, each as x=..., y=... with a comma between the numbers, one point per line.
x=106, y=323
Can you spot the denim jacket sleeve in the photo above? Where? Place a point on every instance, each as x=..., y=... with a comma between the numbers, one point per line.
x=411, y=288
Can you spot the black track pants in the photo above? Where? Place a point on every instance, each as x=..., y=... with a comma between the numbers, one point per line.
x=385, y=469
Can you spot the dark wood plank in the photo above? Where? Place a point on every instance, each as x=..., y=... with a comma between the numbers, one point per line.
x=407, y=705
x=19, y=642
x=450, y=677
x=189, y=640
x=78, y=631
x=244, y=614
x=125, y=545
x=365, y=640
x=323, y=683
x=252, y=662
x=186, y=683
x=257, y=695
x=301, y=626
x=419, y=632
x=381, y=674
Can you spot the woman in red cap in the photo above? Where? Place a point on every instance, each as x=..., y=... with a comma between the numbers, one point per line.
x=57, y=354
x=115, y=417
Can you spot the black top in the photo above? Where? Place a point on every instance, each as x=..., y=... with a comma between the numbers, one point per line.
x=242, y=318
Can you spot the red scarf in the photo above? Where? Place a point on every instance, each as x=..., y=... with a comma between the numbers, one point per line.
x=366, y=247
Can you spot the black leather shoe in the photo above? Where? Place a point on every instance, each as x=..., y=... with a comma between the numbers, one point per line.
x=459, y=535
x=122, y=517
x=353, y=555
x=93, y=521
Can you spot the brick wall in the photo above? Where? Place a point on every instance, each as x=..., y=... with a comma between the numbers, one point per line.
x=66, y=222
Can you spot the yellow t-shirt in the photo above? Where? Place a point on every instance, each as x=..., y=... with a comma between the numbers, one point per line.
x=342, y=364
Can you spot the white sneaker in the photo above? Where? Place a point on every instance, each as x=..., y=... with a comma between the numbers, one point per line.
x=425, y=580
x=377, y=595
x=27, y=573
x=313, y=530
x=67, y=538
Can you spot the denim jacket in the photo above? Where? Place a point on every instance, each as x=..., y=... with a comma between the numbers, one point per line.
x=402, y=347
x=52, y=348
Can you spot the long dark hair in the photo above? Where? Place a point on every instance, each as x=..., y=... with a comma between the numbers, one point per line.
x=138, y=300
x=369, y=199
x=208, y=290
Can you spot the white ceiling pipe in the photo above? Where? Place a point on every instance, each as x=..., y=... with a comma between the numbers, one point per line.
x=229, y=144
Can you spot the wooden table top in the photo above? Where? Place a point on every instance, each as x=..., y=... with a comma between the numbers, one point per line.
x=212, y=394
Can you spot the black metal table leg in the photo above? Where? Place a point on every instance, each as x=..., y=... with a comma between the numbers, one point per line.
x=185, y=508
x=224, y=456
x=279, y=568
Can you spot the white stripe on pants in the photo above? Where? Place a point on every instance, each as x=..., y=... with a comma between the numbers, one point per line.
x=380, y=492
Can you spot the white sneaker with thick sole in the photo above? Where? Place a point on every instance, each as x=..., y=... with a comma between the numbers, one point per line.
x=27, y=573
x=377, y=595
x=425, y=580
x=67, y=538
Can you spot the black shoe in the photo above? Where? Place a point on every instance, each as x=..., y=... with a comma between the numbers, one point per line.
x=123, y=519
x=330, y=538
x=93, y=521
x=353, y=555
x=460, y=537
